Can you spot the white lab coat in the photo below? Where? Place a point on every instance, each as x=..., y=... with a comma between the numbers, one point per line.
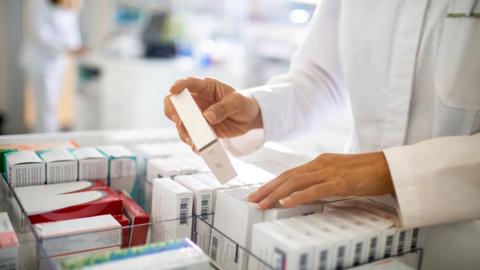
x=412, y=75
x=51, y=33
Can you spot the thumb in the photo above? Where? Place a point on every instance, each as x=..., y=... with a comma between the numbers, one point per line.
x=229, y=105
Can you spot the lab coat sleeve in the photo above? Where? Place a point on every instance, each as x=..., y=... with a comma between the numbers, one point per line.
x=313, y=89
x=437, y=181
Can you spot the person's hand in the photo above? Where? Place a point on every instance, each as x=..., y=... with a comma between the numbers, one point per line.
x=325, y=176
x=229, y=112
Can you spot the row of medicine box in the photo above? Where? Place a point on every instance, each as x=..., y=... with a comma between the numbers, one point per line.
x=347, y=233
x=182, y=165
x=178, y=198
x=111, y=163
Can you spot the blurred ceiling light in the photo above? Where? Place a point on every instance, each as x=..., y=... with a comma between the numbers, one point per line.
x=299, y=16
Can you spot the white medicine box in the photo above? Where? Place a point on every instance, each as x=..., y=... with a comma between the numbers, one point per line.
x=122, y=166
x=92, y=165
x=61, y=165
x=25, y=168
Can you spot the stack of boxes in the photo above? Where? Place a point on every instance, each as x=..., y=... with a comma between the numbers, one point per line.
x=347, y=233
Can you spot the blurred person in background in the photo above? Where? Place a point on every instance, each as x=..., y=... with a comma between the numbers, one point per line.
x=53, y=35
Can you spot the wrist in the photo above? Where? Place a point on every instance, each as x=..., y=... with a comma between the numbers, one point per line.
x=258, y=119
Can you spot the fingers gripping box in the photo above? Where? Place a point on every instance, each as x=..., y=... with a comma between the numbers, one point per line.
x=203, y=137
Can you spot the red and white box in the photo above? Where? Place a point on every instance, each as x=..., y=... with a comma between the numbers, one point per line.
x=67, y=237
x=138, y=218
x=68, y=201
x=125, y=222
x=8, y=244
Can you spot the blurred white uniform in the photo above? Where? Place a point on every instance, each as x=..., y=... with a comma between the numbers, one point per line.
x=53, y=31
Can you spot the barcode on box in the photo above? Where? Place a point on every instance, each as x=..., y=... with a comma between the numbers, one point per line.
x=303, y=262
x=214, y=249
x=340, y=258
x=184, y=210
x=415, y=233
x=205, y=201
x=389, y=246
x=401, y=241
x=373, y=248
x=358, y=254
x=323, y=260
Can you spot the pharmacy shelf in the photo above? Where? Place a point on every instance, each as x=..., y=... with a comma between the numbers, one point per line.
x=35, y=255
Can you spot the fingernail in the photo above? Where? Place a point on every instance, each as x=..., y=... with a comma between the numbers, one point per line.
x=211, y=116
x=252, y=196
x=284, y=202
x=188, y=140
x=263, y=204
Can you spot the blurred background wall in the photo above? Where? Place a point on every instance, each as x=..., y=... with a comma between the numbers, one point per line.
x=138, y=48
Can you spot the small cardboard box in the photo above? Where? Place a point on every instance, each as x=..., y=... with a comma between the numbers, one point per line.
x=139, y=220
x=202, y=208
x=25, y=168
x=122, y=166
x=92, y=165
x=9, y=245
x=79, y=235
x=62, y=166
x=172, y=206
x=177, y=254
x=68, y=201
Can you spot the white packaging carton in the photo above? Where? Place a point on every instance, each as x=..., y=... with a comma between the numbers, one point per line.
x=122, y=166
x=384, y=226
x=9, y=245
x=210, y=180
x=349, y=241
x=202, y=209
x=389, y=244
x=279, y=247
x=203, y=137
x=234, y=217
x=172, y=166
x=25, y=168
x=374, y=236
x=250, y=174
x=92, y=165
x=79, y=235
x=322, y=250
x=177, y=254
x=301, y=210
x=172, y=206
x=62, y=166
